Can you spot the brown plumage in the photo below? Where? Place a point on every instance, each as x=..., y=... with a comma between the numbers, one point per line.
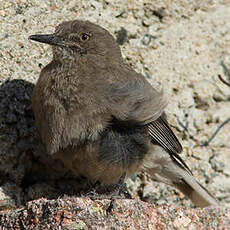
x=103, y=119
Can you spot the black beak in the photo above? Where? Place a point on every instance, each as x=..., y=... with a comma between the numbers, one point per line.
x=50, y=39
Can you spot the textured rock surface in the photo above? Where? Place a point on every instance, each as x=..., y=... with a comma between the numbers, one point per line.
x=184, y=45
x=83, y=213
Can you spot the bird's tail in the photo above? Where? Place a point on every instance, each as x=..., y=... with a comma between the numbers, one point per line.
x=193, y=190
x=170, y=171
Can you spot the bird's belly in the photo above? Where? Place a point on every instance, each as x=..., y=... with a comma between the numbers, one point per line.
x=114, y=152
x=85, y=161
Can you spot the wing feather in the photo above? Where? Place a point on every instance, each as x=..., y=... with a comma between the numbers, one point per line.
x=137, y=103
x=162, y=134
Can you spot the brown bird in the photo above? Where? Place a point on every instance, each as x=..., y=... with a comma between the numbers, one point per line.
x=103, y=119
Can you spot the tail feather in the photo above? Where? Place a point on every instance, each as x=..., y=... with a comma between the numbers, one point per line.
x=171, y=170
x=195, y=191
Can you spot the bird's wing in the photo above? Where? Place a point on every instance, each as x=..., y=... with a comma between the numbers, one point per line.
x=134, y=102
x=138, y=103
x=162, y=134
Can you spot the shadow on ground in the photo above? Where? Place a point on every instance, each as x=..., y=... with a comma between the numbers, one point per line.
x=26, y=171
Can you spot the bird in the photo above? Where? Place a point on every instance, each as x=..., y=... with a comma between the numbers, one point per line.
x=101, y=118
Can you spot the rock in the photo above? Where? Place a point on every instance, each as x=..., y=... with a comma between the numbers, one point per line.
x=83, y=213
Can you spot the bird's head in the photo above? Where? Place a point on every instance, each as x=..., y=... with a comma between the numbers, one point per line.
x=76, y=39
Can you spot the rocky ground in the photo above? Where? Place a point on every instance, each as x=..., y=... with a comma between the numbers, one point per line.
x=183, y=45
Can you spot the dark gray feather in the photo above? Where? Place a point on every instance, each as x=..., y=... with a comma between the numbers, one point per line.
x=162, y=134
x=160, y=131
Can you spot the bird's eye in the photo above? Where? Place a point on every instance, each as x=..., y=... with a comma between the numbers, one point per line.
x=84, y=37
